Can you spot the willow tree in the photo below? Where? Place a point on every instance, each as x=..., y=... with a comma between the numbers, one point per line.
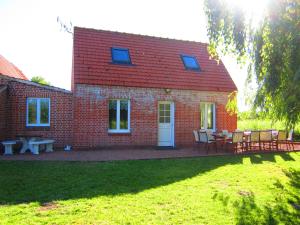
x=271, y=48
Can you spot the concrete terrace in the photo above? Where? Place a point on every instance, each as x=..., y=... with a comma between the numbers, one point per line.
x=130, y=154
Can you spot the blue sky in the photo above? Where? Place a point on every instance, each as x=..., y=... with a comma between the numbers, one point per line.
x=31, y=38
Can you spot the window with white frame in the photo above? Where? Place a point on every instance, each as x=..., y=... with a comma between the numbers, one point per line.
x=207, y=116
x=119, y=115
x=38, y=112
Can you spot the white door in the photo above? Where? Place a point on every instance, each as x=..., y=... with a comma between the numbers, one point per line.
x=165, y=124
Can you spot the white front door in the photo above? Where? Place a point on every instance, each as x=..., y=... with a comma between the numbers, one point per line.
x=165, y=124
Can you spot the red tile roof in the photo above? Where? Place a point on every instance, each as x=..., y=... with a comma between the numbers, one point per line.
x=156, y=62
x=10, y=70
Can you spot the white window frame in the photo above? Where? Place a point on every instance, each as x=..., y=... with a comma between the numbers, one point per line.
x=118, y=130
x=205, y=116
x=38, y=112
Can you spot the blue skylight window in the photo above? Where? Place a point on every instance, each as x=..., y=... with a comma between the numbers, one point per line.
x=120, y=55
x=190, y=62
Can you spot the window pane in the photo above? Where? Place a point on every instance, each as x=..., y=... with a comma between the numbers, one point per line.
x=123, y=114
x=167, y=107
x=120, y=55
x=161, y=119
x=44, y=105
x=161, y=107
x=112, y=114
x=202, y=115
x=190, y=62
x=167, y=119
x=167, y=113
x=32, y=111
x=210, y=116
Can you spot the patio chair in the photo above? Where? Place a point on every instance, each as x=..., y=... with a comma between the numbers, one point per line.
x=253, y=138
x=196, y=136
x=289, y=140
x=209, y=134
x=280, y=139
x=237, y=139
x=227, y=134
x=265, y=138
x=204, y=138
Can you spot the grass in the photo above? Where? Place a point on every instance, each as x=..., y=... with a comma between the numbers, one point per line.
x=253, y=189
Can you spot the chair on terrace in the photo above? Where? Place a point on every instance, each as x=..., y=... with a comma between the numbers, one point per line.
x=204, y=138
x=237, y=141
x=252, y=139
x=227, y=134
x=280, y=139
x=265, y=138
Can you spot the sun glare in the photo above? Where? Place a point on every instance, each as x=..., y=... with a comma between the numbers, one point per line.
x=254, y=9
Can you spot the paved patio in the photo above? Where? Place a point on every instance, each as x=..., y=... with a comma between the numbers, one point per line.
x=125, y=154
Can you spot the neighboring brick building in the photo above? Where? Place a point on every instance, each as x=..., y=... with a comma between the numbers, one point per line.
x=127, y=90
x=16, y=91
x=140, y=90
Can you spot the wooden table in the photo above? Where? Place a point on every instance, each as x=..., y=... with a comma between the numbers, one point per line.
x=25, y=138
x=220, y=138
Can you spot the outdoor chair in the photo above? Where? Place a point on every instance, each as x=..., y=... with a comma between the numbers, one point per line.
x=237, y=140
x=280, y=139
x=227, y=134
x=289, y=140
x=196, y=136
x=209, y=134
x=252, y=139
x=265, y=138
x=204, y=138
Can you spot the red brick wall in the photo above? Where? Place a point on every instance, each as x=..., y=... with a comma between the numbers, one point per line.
x=61, y=118
x=83, y=123
x=3, y=105
x=91, y=115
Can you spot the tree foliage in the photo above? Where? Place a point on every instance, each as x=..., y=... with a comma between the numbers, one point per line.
x=272, y=50
x=40, y=80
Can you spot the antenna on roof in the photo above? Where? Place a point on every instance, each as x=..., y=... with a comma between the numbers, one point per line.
x=64, y=26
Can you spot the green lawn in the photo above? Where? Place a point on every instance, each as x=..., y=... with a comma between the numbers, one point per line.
x=253, y=189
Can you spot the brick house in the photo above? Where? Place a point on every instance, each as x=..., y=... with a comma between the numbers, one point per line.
x=140, y=90
x=127, y=90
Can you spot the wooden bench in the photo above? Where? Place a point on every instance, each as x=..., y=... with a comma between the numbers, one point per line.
x=35, y=144
x=8, y=146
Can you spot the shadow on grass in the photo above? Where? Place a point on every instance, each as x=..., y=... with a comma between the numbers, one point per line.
x=285, y=209
x=23, y=182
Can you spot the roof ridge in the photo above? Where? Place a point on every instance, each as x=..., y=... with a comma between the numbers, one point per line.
x=28, y=82
x=141, y=35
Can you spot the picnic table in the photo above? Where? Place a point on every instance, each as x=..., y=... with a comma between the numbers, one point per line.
x=25, y=139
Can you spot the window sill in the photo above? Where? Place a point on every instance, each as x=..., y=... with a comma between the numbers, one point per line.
x=38, y=128
x=122, y=64
x=118, y=132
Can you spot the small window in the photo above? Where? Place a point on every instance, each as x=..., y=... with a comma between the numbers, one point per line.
x=190, y=62
x=119, y=116
x=120, y=55
x=207, y=116
x=38, y=112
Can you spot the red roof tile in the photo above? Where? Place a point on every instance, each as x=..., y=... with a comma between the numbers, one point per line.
x=9, y=69
x=156, y=62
